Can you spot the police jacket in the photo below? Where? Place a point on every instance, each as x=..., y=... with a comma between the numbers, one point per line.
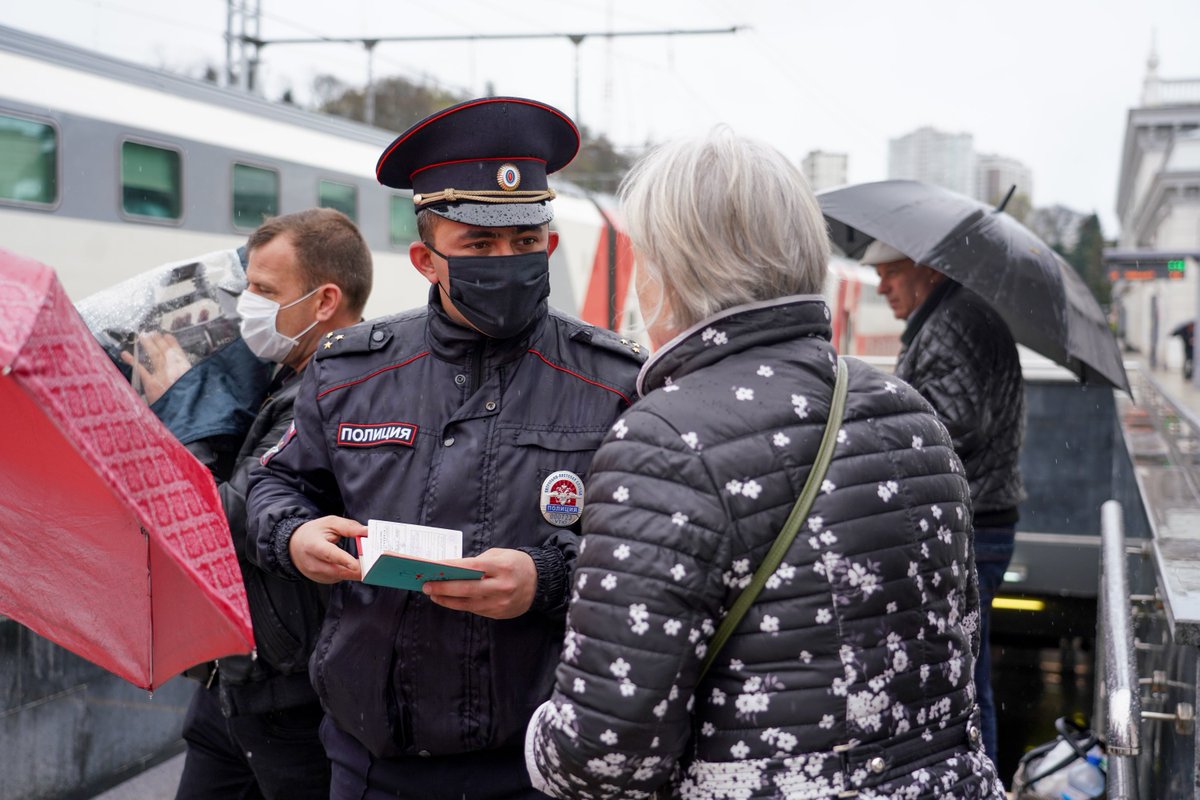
x=852, y=672
x=416, y=419
x=958, y=353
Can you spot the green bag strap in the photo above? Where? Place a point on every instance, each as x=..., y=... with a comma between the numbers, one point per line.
x=790, y=528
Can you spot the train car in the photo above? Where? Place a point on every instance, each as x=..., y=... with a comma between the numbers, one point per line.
x=108, y=168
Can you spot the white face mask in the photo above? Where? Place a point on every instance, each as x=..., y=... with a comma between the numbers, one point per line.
x=258, y=326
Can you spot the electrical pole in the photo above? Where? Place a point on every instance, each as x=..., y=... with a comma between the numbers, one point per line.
x=370, y=44
x=227, y=75
x=369, y=111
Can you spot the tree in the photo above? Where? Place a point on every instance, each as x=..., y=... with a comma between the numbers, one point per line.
x=1087, y=256
x=599, y=167
x=399, y=103
x=1057, y=225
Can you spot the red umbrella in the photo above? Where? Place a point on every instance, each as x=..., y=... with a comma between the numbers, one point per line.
x=115, y=545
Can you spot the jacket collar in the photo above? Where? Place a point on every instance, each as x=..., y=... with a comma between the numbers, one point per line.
x=734, y=330
x=452, y=342
x=924, y=311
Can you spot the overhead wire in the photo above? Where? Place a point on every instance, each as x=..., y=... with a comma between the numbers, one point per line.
x=408, y=70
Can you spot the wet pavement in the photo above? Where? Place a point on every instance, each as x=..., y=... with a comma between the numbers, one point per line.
x=1176, y=386
x=157, y=783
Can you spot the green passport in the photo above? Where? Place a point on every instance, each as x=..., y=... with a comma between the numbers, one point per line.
x=404, y=556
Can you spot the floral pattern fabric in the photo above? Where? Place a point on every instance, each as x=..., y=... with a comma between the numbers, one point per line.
x=861, y=642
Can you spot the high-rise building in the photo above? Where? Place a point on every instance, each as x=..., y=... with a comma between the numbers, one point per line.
x=933, y=156
x=995, y=175
x=824, y=170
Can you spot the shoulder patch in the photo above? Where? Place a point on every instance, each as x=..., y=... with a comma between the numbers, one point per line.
x=607, y=340
x=361, y=338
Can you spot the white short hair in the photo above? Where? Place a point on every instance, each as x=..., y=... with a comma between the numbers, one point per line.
x=722, y=220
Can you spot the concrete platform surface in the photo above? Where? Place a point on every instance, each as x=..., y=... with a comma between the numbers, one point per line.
x=157, y=783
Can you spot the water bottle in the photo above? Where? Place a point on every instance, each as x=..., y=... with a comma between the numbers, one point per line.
x=1051, y=784
x=1085, y=779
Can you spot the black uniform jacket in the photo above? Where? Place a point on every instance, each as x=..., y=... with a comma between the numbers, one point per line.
x=416, y=419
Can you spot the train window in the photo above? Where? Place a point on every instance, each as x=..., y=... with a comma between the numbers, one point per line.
x=151, y=181
x=28, y=161
x=403, y=225
x=255, y=195
x=342, y=196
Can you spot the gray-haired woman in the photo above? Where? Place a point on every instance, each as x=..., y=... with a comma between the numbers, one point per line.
x=850, y=675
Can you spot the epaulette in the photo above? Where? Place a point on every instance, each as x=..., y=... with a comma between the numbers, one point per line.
x=607, y=340
x=360, y=338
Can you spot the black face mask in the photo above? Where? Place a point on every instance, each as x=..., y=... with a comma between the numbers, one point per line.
x=498, y=295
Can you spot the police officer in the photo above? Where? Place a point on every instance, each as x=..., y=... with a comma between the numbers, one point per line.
x=478, y=413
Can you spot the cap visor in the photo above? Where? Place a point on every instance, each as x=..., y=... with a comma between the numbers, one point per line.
x=496, y=215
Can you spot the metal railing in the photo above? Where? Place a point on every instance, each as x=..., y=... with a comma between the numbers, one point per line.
x=1123, y=712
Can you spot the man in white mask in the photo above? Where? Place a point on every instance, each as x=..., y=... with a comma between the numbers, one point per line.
x=251, y=730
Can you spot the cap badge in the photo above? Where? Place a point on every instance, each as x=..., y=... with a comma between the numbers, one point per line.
x=509, y=177
x=562, y=498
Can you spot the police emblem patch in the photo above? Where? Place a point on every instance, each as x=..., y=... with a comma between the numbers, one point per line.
x=375, y=434
x=509, y=177
x=562, y=498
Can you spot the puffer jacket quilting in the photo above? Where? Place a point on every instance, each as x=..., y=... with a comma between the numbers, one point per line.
x=961, y=357
x=861, y=645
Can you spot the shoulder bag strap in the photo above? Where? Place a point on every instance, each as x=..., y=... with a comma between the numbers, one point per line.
x=790, y=528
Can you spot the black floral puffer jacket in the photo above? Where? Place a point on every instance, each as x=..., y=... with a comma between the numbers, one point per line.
x=851, y=675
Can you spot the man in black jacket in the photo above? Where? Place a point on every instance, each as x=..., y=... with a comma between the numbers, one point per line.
x=251, y=729
x=958, y=353
x=479, y=413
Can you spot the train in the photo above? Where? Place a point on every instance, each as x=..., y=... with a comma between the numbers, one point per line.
x=108, y=168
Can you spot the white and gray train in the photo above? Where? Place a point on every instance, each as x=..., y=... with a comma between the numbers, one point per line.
x=109, y=168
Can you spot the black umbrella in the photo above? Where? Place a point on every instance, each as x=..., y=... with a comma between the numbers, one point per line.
x=1043, y=300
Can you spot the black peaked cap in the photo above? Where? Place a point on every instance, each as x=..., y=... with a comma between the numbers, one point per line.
x=493, y=149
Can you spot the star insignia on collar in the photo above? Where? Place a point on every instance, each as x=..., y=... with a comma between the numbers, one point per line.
x=328, y=345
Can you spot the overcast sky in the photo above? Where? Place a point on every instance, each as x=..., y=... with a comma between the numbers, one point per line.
x=1048, y=82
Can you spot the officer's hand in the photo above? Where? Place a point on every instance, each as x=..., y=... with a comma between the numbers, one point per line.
x=505, y=591
x=314, y=550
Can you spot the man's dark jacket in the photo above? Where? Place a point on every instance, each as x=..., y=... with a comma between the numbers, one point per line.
x=959, y=354
x=487, y=421
x=286, y=613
